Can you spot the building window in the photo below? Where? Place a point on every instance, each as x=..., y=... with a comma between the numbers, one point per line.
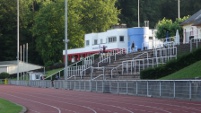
x=87, y=42
x=112, y=39
x=37, y=76
x=95, y=42
x=101, y=41
x=121, y=38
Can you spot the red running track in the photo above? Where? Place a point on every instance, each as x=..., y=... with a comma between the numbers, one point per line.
x=49, y=100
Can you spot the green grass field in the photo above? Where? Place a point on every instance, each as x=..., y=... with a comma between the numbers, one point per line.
x=188, y=72
x=9, y=107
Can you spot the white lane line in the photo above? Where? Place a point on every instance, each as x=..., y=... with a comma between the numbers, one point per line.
x=60, y=101
x=159, y=103
x=85, y=101
x=34, y=111
x=113, y=105
x=59, y=111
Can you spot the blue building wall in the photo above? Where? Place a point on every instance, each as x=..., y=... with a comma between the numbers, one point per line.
x=136, y=35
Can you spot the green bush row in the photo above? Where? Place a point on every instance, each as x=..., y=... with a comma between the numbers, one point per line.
x=172, y=66
x=4, y=75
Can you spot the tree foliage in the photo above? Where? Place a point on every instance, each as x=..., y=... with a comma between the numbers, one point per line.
x=48, y=25
x=4, y=75
x=42, y=22
x=168, y=26
x=99, y=15
x=8, y=29
x=154, y=10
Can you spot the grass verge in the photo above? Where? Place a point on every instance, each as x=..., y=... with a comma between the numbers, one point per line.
x=188, y=72
x=9, y=107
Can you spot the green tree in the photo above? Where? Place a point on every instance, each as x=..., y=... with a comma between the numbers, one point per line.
x=167, y=25
x=83, y=17
x=129, y=12
x=8, y=30
x=99, y=15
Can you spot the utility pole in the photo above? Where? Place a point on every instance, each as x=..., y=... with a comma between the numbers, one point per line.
x=138, y=13
x=178, y=8
x=17, y=40
x=66, y=41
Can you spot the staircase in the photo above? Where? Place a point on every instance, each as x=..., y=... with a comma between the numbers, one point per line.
x=128, y=66
x=118, y=65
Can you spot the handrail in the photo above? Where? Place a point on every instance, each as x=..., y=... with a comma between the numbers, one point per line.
x=114, y=68
x=108, y=57
x=71, y=77
x=85, y=70
x=53, y=74
x=121, y=51
x=191, y=43
x=72, y=65
x=140, y=55
x=160, y=59
x=83, y=59
x=97, y=76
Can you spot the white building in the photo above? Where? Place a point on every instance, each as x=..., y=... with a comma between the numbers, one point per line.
x=192, y=27
x=115, y=40
x=36, y=76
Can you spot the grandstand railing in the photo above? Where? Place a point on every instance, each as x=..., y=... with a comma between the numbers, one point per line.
x=196, y=41
x=106, y=57
x=146, y=59
x=180, y=89
x=77, y=67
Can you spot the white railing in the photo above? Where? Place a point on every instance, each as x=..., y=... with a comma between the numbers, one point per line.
x=115, y=69
x=196, y=41
x=122, y=51
x=101, y=75
x=149, y=59
x=106, y=58
x=83, y=72
x=75, y=68
x=56, y=73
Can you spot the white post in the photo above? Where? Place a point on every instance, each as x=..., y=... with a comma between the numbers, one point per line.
x=66, y=41
x=138, y=13
x=27, y=52
x=23, y=59
x=178, y=8
x=17, y=41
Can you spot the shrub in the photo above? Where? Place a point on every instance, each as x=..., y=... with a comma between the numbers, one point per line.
x=4, y=75
x=172, y=66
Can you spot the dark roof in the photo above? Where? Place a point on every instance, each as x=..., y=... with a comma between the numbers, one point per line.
x=195, y=19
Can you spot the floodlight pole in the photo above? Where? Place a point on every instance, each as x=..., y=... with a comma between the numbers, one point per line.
x=138, y=13
x=17, y=40
x=66, y=41
x=178, y=8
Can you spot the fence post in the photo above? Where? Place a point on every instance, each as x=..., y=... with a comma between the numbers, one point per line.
x=147, y=88
x=103, y=86
x=90, y=85
x=160, y=88
x=174, y=88
x=127, y=87
x=96, y=86
x=136, y=88
x=117, y=87
x=190, y=95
